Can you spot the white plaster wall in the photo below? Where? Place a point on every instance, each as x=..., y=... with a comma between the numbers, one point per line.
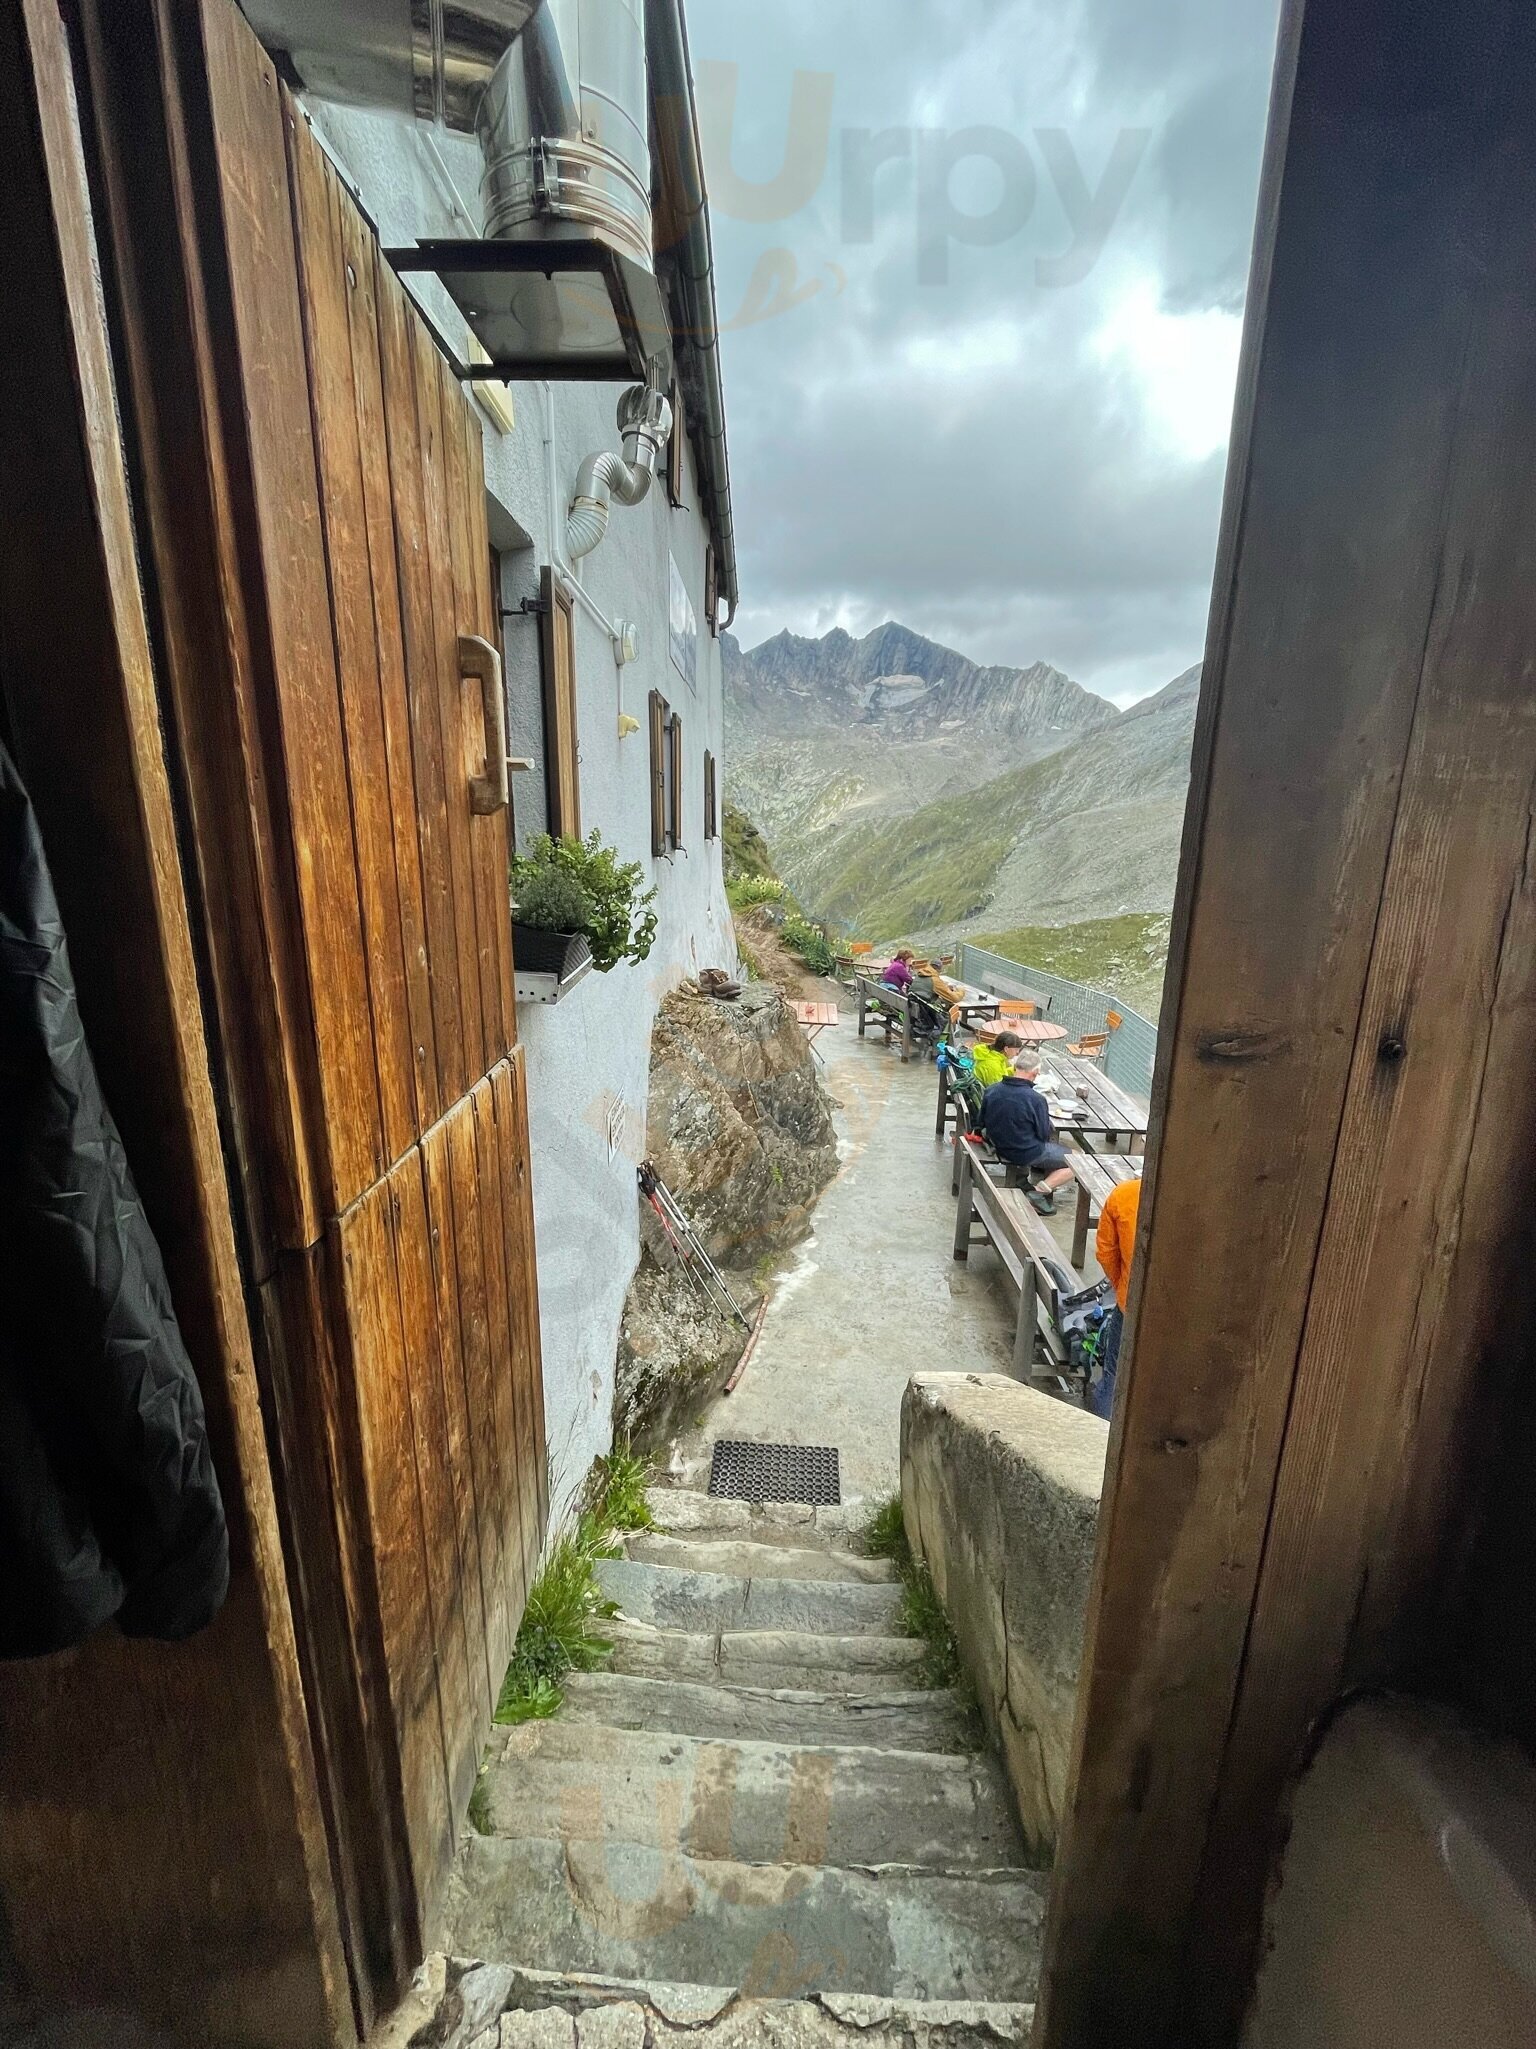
x=592, y=1051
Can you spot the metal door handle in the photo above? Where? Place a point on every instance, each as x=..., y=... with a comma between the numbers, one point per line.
x=480, y=663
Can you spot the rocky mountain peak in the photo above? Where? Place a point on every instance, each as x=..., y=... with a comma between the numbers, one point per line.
x=902, y=684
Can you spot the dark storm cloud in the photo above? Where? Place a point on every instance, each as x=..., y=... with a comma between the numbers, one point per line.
x=1025, y=458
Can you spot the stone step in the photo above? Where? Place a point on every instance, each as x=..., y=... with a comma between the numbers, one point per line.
x=767, y=1657
x=551, y=2010
x=758, y=1714
x=772, y=1930
x=741, y=1558
x=685, y=1512
x=751, y=1803
x=703, y=1601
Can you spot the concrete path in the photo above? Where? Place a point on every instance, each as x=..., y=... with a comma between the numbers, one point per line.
x=875, y=1294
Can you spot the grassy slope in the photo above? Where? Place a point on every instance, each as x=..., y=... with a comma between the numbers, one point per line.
x=1124, y=954
x=745, y=849
x=942, y=863
x=932, y=868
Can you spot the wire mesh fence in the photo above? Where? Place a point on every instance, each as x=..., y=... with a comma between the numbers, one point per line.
x=1132, y=1049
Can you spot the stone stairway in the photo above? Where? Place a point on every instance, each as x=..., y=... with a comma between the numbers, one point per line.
x=756, y=1828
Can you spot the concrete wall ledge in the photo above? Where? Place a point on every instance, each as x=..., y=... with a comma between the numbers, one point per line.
x=1000, y=1493
x=1403, y=1909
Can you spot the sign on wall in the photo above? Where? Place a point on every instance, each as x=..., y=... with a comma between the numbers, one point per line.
x=684, y=632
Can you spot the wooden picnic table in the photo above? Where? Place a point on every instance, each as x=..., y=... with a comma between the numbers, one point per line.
x=972, y=1006
x=1087, y=1101
x=814, y=1018
x=1097, y=1175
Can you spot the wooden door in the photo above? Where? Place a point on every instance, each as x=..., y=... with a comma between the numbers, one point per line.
x=314, y=509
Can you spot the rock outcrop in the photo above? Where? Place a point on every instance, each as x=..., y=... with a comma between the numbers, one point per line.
x=737, y=1124
x=740, y=1130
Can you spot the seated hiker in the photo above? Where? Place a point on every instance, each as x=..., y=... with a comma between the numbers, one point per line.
x=929, y=1014
x=1114, y=1245
x=898, y=975
x=1017, y=1122
x=993, y=1061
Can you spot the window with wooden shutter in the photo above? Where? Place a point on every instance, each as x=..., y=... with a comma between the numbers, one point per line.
x=562, y=777
x=711, y=811
x=711, y=590
x=675, y=782
x=658, y=709
x=677, y=448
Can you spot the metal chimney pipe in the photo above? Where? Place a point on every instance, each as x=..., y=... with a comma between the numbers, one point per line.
x=555, y=90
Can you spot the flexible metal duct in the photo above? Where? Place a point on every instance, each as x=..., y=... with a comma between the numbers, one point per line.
x=645, y=421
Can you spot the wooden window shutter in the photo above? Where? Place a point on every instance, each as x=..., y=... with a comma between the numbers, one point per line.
x=562, y=776
x=677, y=448
x=711, y=590
x=675, y=808
x=711, y=815
x=658, y=773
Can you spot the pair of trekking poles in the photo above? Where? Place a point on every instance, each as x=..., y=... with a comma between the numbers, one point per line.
x=688, y=1248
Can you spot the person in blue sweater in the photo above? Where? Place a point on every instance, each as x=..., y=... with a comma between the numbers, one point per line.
x=1017, y=1121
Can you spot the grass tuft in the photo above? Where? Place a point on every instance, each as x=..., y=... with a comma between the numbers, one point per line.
x=622, y=1478
x=561, y=1629
x=922, y=1612
x=480, y=1807
x=886, y=1536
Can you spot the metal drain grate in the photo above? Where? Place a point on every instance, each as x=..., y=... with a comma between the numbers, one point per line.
x=775, y=1472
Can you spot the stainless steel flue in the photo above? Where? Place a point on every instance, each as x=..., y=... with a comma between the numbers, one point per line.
x=555, y=90
x=562, y=128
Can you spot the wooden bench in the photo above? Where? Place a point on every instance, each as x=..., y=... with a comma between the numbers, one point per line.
x=884, y=1006
x=981, y=1150
x=952, y=1107
x=1025, y=1247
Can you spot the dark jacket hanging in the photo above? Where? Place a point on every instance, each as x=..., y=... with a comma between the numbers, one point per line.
x=108, y=1501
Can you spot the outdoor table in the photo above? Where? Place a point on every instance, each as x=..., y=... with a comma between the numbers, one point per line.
x=1033, y=1031
x=1088, y=1101
x=1096, y=1175
x=814, y=1019
x=972, y=1006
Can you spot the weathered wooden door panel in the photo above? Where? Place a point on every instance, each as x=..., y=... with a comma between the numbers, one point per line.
x=247, y=179
x=360, y=944
x=329, y=281
x=510, y=1097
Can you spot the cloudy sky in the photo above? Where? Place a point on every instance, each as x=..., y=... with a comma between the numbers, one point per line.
x=981, y=267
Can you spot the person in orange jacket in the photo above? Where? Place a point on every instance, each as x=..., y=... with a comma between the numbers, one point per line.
x=1115, y=1244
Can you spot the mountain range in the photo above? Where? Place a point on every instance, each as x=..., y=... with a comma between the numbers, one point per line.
x=906, y=792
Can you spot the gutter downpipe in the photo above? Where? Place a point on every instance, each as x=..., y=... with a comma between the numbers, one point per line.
x=685, y=213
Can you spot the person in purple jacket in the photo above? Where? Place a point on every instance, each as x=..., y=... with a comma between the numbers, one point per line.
x=899, y=974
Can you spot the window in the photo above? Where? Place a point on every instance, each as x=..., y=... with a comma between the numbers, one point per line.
x=675, y=780
x=677, y=448
x=659, y=752
x=666, y=776
x=562, y=778
x=711, y=591
x=711, y=810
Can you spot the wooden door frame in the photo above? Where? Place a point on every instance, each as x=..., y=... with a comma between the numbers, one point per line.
x=214, y=1849
x=1336, y=1227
